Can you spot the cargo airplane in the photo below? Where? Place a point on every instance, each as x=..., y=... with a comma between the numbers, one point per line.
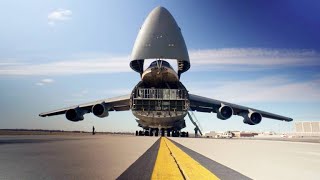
x=160, y=101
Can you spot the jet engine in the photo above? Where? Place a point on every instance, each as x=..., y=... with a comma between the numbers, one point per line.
x=100, y=110
x=224, y=112
x=252, y=118
x=75, y=114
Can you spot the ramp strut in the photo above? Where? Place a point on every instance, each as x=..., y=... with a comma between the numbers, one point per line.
x=194, y=121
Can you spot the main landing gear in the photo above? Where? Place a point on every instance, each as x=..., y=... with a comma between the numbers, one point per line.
x=162, y=132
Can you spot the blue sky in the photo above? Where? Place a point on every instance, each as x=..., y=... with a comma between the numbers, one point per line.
x=54, y=54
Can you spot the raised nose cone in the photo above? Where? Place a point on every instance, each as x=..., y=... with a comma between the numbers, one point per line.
x=160, y=38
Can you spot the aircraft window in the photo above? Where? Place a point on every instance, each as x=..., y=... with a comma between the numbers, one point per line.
x=164, y=63
x=154, y=63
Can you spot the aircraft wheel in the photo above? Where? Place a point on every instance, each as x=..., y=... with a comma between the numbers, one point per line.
x=162, y=132
x=137, y=133
x=146, y=133
x=140, y=133
x=183, y=134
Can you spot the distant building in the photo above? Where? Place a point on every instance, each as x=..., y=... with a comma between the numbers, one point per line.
x=213, y=134
x=307, y=128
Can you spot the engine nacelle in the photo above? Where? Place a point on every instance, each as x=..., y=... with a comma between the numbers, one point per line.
x=224, y=112
x=100, y=110
x=75, y=114
x=252, y=118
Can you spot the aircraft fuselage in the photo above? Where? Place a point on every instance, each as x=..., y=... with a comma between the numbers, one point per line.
x=160, y=100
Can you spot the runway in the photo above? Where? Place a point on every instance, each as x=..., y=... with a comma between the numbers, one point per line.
x=130, y=157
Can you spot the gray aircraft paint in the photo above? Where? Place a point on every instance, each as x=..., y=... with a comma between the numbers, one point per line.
x=160, y=38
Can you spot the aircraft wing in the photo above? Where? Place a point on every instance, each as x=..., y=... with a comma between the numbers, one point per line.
x=203, y=104
x=121, y=103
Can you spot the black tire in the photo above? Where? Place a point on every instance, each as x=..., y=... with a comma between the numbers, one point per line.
x=137, y=133
x=183, y=134
x=146, y=133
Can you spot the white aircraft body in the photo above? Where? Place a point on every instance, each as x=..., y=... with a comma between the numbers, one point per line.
x=160, y=101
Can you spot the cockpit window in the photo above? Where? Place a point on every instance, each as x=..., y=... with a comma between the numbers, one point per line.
x=164, y=63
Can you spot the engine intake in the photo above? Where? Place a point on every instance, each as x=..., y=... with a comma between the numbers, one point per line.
x=100, y=110
x=224, y=112
x=252, y=118
x=75, y=114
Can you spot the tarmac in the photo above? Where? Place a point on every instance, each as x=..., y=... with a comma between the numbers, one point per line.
x=130, y=157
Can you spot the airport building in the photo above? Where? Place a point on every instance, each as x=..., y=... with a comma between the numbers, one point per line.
x=307, y=128
x=213, y=134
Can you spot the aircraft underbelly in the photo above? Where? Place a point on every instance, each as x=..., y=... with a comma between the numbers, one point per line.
x=158, y=119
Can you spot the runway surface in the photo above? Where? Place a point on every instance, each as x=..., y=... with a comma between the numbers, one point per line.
x=130, y=157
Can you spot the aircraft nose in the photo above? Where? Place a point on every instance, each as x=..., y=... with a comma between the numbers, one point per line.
x=159, y=8
x=160, y=38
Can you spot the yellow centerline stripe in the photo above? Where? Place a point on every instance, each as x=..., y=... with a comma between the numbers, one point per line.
x=165, y=166
x=173, y=163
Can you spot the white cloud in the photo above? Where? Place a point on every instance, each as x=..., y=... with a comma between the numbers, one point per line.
x=44, y=82
x=267, y=89
x=252, y=58
x=47, y=80
x=59, y=15
x=214, y=59
x=68, y=67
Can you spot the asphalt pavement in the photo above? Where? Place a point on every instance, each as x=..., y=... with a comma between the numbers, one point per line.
x=130, y=157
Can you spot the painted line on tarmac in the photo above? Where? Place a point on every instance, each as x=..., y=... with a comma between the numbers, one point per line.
x=180, y=164
x=166, y=166
x=167, y=159
x=221, y=171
